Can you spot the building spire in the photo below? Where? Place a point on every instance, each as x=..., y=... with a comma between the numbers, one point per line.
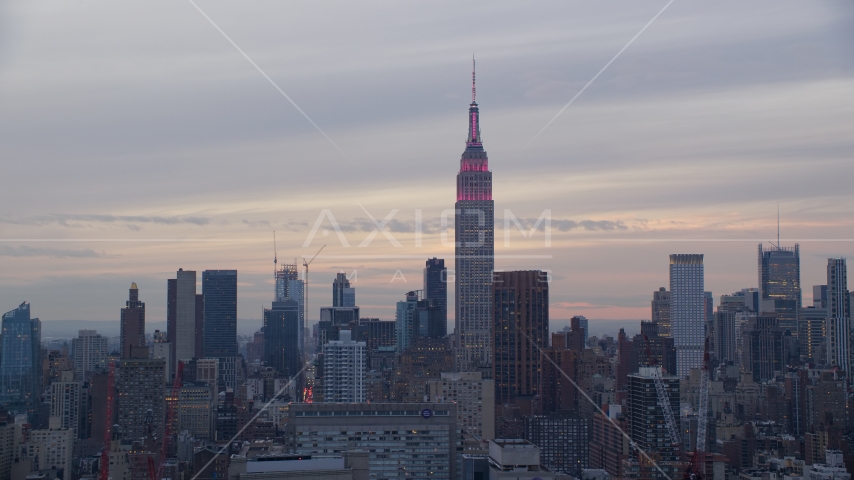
x=473, y=90
x=778, y=226
x=474, y=121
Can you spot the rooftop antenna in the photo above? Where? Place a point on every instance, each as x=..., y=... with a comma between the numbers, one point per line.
x=777, y=246
x=275, y=270
x=778, y=226
x=473, y=91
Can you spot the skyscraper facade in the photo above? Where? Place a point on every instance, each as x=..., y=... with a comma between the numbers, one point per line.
x=185, y=315
x=766, y=350
x=413, y=440
x=171, y=320
x=196, y=407
x=406, y=321
x=436, y=285
x=780, y=282
x=52, y=449
x=475, y=399
x=819, y=296
x=647, y=424
x=296, y=293
x=343, y=295
x=431, y=320
x=141, y=396
x=661, y=310
x=687, y=311
x=521, y=326
x=344, y=370
x=219, y=288
x=287, y=273
x=281, y=324
x=838, y=315
x=563, y=439
x=724, y=340
x=475, y=251
x=199, y=327
x=90, y=353
x=132, y=322
x=290, y=287
x=20, y=361
x=812, y=333
x=67, y=402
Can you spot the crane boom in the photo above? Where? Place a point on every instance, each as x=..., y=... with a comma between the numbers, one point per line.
x=702, y=411
x=663, y=397
x=108, y=424
x=696, y=467
x=306, y=263
x=664, y=401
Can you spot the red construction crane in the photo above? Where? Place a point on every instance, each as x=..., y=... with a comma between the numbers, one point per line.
x=108, y=424
x=152, y=473
x=170, y=418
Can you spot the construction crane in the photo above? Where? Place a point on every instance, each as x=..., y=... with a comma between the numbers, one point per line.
x=170, y=418
x=108, y=424
x=663, y=398
x=695, y=470
x=305, y=290
x=152, y=472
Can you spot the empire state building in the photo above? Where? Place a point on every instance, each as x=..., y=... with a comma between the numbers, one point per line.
x=475, y=251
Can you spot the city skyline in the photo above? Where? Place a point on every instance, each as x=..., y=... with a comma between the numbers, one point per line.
x=622, y=303
x=620, y=203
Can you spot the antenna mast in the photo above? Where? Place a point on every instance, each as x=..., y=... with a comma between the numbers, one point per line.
x=306, y=263
x=778, y=226
x=473, y=91
x=275, y=269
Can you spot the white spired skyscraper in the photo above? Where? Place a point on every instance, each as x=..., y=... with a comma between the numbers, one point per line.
x=687, y=311
x=475, y=251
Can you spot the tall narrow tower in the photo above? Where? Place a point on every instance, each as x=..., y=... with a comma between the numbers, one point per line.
x=132, y=322
x=475, y=251
x=687, y=311
x=838, y=315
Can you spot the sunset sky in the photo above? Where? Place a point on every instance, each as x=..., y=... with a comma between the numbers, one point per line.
x=135, y=139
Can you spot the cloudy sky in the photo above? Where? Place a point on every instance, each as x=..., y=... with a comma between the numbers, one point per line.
x=136, y=139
